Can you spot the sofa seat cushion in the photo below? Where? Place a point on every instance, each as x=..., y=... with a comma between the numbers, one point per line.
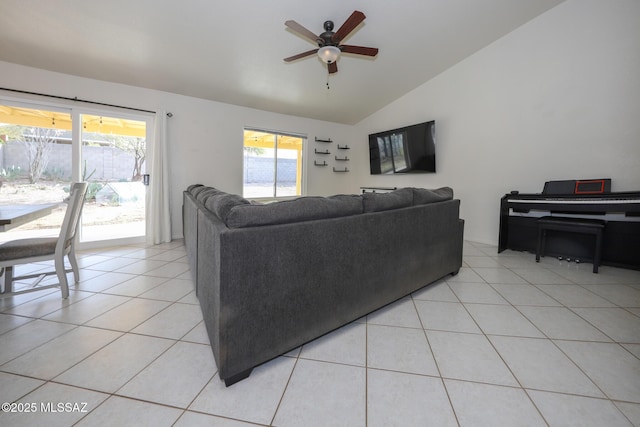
x=422, y=196
x=296, y=210
x=222, y=203
x=376, y=202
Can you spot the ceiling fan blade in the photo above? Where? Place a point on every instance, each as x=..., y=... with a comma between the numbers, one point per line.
x=293, y=25
x=333, y=68
x=300, y=55
x=359, y=50
x=349, y=25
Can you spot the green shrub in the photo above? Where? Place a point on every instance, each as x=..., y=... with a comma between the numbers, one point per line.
x=92, y=190
x=11, y=173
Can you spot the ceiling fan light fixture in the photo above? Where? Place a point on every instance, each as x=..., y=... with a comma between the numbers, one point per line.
x=329, y=54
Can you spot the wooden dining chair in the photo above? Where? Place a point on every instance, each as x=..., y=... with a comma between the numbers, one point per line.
x=26, y=251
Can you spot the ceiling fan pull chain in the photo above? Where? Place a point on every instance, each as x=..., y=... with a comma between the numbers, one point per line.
x=328, y=75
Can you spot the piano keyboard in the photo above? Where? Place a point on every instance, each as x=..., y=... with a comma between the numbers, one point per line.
x=581, y=201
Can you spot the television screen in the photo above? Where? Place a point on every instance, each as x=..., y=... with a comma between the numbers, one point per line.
x=411, y=149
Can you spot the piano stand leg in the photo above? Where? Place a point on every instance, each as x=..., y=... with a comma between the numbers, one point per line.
x=542, y=235
x=597, y=257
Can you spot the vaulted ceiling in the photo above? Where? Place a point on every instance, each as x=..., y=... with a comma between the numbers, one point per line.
x=233, y=51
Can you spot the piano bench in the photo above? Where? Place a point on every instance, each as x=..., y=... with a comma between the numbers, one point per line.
x=572, y=225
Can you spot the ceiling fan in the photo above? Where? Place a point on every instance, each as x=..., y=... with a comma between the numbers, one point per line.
x=329, y=47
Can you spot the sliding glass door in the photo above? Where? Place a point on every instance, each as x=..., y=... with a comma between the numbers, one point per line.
x=113, y=161
x=43, y=149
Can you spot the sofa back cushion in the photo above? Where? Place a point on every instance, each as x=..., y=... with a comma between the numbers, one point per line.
x=203, y=195
x=376, y=202
x=222, y=203
x=422, y=196
x=193, y=187
x=196, y=189
x=237, y=212
x=296, y=210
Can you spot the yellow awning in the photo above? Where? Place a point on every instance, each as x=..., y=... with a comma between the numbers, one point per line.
x=58, y=120
x=254, y=138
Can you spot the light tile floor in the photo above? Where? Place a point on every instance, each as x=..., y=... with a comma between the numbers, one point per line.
x=506, y=342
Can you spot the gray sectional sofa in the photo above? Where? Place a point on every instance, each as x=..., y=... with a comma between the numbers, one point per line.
x=271, y=277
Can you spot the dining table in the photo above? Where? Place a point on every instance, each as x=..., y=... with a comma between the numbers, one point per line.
x=12, y=216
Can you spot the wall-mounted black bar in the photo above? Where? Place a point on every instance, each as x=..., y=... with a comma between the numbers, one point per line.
x=373, y=189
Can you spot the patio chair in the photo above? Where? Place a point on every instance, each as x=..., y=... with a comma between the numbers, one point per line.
x=26, y=251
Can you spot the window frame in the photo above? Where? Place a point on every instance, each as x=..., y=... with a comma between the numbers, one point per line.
x=300, y=165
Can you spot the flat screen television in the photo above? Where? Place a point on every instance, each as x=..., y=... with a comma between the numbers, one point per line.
x=411, y=149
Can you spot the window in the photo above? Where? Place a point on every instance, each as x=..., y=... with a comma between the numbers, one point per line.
x=272, y=165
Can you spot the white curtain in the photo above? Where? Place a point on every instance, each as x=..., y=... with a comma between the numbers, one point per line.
x=158, y=211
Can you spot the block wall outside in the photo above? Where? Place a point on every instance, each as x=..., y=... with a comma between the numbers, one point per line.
x=261, y=170
x=106, y=163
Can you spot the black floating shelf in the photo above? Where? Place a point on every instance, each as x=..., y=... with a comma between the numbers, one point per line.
x=321, y=152
x=342, y=159
x=341, y=170
x=323, y=140
x=346, y=147
x=320, y=164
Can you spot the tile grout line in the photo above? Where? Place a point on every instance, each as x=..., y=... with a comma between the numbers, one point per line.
x=606, y=396
x=298, y=357
x=435, y=360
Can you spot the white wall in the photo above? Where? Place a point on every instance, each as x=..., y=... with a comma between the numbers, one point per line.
x=205, y=137
x=558, y=98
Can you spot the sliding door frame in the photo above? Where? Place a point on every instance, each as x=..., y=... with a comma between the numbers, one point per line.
x=43, y=102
